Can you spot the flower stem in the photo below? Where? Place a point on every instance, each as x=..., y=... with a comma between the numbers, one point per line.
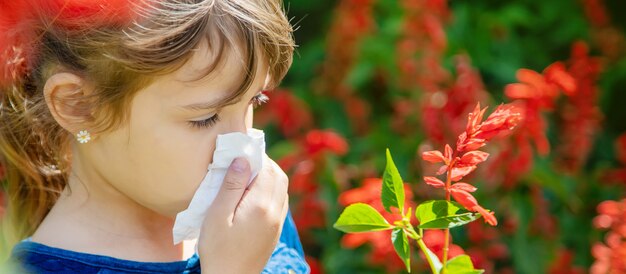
x=423, y=247
x=446, y=238
x=420, y=242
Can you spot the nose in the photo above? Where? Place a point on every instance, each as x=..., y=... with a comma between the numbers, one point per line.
x=239, y=123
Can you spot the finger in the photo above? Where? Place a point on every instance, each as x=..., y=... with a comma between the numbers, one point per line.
x=269, y=175
x=232, y=188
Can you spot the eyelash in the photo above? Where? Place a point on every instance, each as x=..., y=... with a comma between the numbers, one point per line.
x=257, y=100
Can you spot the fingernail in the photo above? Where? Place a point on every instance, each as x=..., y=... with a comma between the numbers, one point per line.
x=239, y=165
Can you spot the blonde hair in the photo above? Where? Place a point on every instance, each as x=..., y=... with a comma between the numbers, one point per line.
x=119, y=60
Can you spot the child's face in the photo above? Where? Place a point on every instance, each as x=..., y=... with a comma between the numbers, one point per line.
x=160, y=157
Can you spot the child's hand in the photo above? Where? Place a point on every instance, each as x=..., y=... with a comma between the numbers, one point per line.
x=243, y=226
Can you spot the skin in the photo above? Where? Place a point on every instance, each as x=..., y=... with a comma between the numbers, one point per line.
x=128, y=184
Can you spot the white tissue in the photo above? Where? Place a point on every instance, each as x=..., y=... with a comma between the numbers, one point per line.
x=227, y=148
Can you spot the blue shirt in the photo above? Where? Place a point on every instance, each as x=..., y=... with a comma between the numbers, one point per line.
x=288, y=258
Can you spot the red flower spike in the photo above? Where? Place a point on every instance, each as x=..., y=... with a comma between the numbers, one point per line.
x=472, y=144
x=474, y=119
x=460, y=142
x=432, y=181
x=434, y=156
x=557, y=73
x=504, y=118
x=448, y=154
x=519, y=91
x=469, y=202
x=530, y=77
x=442, y=170
x=473, y=158
x=464, y=186
x=317, y=141
x=459, y=172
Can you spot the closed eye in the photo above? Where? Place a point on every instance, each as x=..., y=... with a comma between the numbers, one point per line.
x=256, y=101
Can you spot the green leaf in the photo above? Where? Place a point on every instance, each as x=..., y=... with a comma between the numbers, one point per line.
x=361, y=217
x=393, y=186
x=401, y=245
x=443, y=214
x=461, y=264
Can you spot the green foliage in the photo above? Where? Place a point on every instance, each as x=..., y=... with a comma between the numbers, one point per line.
x=461, y=264
x=442, y=214
x=361, y=217
x=401, y=244
x=393, y=186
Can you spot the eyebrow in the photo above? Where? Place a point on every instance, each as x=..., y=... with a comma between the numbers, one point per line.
x=219, y=103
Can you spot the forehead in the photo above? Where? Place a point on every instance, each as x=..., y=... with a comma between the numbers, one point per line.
x=211, y=73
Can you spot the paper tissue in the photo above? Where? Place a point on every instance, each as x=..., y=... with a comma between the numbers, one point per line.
x=228, y=147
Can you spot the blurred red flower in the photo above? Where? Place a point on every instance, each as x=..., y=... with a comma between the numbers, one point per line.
x=290, y=113
x=610, y=254
x=319, y=141
x=314, y=264
x=563, y=264
x=580, y=115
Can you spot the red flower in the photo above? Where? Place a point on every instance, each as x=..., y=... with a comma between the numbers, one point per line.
x=610, y=254
x=469, y=202
x=314, y=264
x=289, y=112
x=318, y=141
x=535, y=86
x=308, y=213
x=351, y=22
x=564, y=264
x=477, y=133
x=580, y=114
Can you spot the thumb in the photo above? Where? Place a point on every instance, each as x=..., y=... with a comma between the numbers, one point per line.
x=233, y=187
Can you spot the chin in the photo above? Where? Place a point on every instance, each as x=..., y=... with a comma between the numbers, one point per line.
x=176, y=206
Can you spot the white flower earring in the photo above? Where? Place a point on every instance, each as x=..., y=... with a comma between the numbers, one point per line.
x=83, y=136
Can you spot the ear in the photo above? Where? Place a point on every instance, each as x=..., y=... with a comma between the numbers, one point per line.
x=67, y=97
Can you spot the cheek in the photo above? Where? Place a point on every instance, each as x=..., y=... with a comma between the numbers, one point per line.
x=173, y=163
x=160, y=167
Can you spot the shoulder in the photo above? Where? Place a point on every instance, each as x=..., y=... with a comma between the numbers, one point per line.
x=32, y=257
x=288, y=257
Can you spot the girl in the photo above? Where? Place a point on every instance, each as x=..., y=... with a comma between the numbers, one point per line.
x=109, y=113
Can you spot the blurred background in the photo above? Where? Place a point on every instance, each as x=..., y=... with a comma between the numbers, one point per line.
x=403, y=74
